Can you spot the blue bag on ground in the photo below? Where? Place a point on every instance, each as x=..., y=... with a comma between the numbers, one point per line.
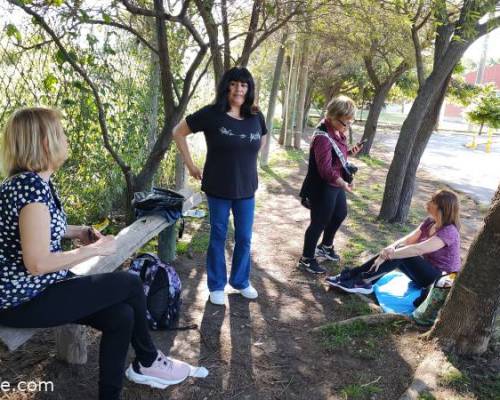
x=396, y=293
x=162, y=287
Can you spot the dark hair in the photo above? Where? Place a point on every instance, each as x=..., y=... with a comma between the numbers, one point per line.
x=236, y=74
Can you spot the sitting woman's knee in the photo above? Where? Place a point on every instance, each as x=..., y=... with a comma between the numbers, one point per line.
x=121, y=317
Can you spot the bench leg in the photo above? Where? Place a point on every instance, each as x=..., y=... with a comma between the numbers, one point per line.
x=71, y=344
x=167, y=243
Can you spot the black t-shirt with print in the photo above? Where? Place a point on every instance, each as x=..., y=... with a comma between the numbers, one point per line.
x=230, y=170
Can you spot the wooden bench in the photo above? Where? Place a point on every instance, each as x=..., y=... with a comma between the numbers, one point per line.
x=71, y=340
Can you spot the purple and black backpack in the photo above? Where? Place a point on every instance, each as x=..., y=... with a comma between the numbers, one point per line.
x=162, y=288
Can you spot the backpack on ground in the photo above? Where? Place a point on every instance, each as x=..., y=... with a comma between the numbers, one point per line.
x=427, y=312
x=162, y=287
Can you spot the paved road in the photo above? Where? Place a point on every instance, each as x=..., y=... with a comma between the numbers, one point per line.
x=474, y=172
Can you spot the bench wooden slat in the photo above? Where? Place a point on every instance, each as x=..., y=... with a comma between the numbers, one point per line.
x=129, y=240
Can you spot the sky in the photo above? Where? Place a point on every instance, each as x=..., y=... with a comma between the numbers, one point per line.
x=475, y=50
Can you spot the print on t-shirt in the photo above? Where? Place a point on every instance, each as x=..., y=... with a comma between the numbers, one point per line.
x=230, y=169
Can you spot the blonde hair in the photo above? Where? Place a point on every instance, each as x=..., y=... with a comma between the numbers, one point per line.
x=341, y=106
x=33, y=141
x=449, y=207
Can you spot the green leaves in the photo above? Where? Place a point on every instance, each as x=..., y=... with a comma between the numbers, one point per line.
x=12, y=31
x=49, y=82
x=486, y=110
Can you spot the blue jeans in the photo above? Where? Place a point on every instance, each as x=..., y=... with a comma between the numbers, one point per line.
x=243, y=211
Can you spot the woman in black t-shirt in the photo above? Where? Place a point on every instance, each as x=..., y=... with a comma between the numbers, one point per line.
x=234, y=132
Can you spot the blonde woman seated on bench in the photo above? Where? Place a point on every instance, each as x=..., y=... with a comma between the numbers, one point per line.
x=35, y=291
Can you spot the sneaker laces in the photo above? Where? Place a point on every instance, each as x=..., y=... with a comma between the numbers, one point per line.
x=164, y=362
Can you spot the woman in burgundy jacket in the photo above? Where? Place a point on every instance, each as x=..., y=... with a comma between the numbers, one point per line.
x=325, y=186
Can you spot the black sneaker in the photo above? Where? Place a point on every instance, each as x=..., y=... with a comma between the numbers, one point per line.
x=311, y=265
x=327, y=252
x=344, y=275
x=353, y=286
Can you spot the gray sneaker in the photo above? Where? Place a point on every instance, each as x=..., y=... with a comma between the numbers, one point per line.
x=311, y=265
x=327, y=252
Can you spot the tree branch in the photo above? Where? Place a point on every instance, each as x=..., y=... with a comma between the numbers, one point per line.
x=225, y=33
x=126, y=28
x=254, y=20
x=189, y=78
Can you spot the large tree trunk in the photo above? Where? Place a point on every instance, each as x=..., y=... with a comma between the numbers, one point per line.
x=411, y=126
x=373, y=116
x=466, y=322
x=264, y=156
x=423, y=136
x=302, y=78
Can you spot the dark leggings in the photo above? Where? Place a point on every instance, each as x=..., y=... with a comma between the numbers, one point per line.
x=328, y=211
x=418, y=269
x=113, y=303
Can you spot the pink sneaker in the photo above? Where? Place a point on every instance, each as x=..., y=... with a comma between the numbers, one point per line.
x=163, y=372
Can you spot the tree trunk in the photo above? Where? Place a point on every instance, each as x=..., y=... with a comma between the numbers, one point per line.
x=292, y=99
x=302, y=78
x=286, y=110
x=466, y=321
x=411, y=126
x=264, y=156
x=153, y=101
x=180, y=172
x=373, y=116
x=423, y=136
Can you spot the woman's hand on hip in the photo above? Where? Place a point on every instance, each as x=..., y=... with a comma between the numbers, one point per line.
x=195, y=172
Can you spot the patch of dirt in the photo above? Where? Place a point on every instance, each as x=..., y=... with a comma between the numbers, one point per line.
x=263, y=349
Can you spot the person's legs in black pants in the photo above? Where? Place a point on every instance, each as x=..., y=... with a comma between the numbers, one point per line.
x=113, y=303
x=338, y=216
x=116, y=324
x=418, y=269
x=322, y=210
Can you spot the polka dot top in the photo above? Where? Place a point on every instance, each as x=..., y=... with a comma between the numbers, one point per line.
x=17, y=285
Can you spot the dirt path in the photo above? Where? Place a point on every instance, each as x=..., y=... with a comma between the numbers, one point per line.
x=264, y=349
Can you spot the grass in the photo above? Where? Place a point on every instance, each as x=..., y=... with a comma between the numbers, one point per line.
x=356, y=307
x=357, y=391
x=372, y=161
x=454, y=378
x=282, y=163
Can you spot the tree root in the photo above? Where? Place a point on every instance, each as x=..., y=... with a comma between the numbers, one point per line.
x=373, y=306
x=373, y=319
x=426, y=376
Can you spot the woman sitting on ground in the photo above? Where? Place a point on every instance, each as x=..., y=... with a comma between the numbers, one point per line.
x=424, y=255
x=35, y=291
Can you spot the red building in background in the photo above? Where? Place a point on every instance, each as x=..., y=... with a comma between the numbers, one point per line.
x=491, y=75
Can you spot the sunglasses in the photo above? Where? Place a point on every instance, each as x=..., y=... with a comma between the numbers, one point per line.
x=345, y=124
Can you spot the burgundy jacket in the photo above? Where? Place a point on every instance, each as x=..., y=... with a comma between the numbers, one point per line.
x=329, y=170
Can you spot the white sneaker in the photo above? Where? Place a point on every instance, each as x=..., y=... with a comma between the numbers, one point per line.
x=249, y=292
x=217, y=297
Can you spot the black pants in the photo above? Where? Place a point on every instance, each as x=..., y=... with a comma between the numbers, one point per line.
x=114, y=304
x=418, y=269
x=328, y=211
